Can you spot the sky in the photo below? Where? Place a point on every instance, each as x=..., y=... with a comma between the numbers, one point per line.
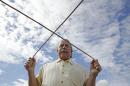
x=99, y=27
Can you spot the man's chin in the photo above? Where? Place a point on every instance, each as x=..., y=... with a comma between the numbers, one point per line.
x=64, y=57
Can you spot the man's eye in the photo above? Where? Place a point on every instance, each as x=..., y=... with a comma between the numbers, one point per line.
x=66, y=45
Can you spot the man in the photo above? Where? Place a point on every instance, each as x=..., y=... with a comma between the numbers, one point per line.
x=63, y=71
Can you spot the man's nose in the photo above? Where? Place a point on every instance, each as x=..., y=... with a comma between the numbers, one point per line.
x=64, y=46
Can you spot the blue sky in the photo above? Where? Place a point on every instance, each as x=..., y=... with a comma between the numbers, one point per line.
x=99, y=27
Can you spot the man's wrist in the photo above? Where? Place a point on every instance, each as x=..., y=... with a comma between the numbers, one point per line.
x=31, y=72
x=93, y=74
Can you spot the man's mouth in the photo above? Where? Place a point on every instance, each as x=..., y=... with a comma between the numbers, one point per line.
x=63, y=51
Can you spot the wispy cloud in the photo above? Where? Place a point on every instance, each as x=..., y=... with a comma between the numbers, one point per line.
x=122, y=55
x=20, y=82
x=19, y=36
x=95, y=30
x=102, y=83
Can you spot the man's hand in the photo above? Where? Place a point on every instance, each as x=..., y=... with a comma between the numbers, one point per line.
x=95, y=67
x=94, y=70
x=30, y=64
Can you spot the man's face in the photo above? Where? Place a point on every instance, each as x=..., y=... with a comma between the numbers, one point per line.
x=64, y=50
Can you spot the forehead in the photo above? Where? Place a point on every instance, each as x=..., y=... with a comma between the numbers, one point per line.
x=64, y=42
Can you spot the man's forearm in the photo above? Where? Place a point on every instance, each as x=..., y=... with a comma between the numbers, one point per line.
x=91, y=81
x=32, y=79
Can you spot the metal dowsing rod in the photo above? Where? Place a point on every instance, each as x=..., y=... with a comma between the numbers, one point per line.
x=53, y=32
x=59, y=27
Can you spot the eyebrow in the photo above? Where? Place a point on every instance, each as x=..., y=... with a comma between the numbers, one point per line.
x=65, y=44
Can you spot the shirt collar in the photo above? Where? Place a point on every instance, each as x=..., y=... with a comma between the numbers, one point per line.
x=67, y=61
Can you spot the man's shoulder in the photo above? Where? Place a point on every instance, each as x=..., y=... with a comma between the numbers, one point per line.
x=49, y=63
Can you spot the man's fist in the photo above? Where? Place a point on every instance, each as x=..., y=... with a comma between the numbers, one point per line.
x=95, y=67
x=30, y=64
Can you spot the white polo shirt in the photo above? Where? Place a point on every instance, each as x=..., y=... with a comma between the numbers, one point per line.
x=62, y=73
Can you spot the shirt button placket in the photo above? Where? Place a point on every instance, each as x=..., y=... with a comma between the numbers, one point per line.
x=63, y=65
x=62, y=73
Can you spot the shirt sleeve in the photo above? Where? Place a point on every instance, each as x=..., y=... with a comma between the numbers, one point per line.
x=39, y=76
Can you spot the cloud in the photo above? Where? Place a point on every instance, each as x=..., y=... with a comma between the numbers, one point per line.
x=121, y=53
x=20, y=37
x=23, y=34
x=119, y=80
x=1, y=71
x=80, y=34
x=51, y=14
x=92, y=27
x=96, y=29
x=102, y=83
x=20, y=82
x=14, y=52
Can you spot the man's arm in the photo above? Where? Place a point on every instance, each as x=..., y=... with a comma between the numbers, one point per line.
x=94, y=70
x=32, y=79
x=30, y=65
x=90, y=81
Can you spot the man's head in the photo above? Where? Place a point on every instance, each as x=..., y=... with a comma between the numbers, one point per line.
x=64, y=49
